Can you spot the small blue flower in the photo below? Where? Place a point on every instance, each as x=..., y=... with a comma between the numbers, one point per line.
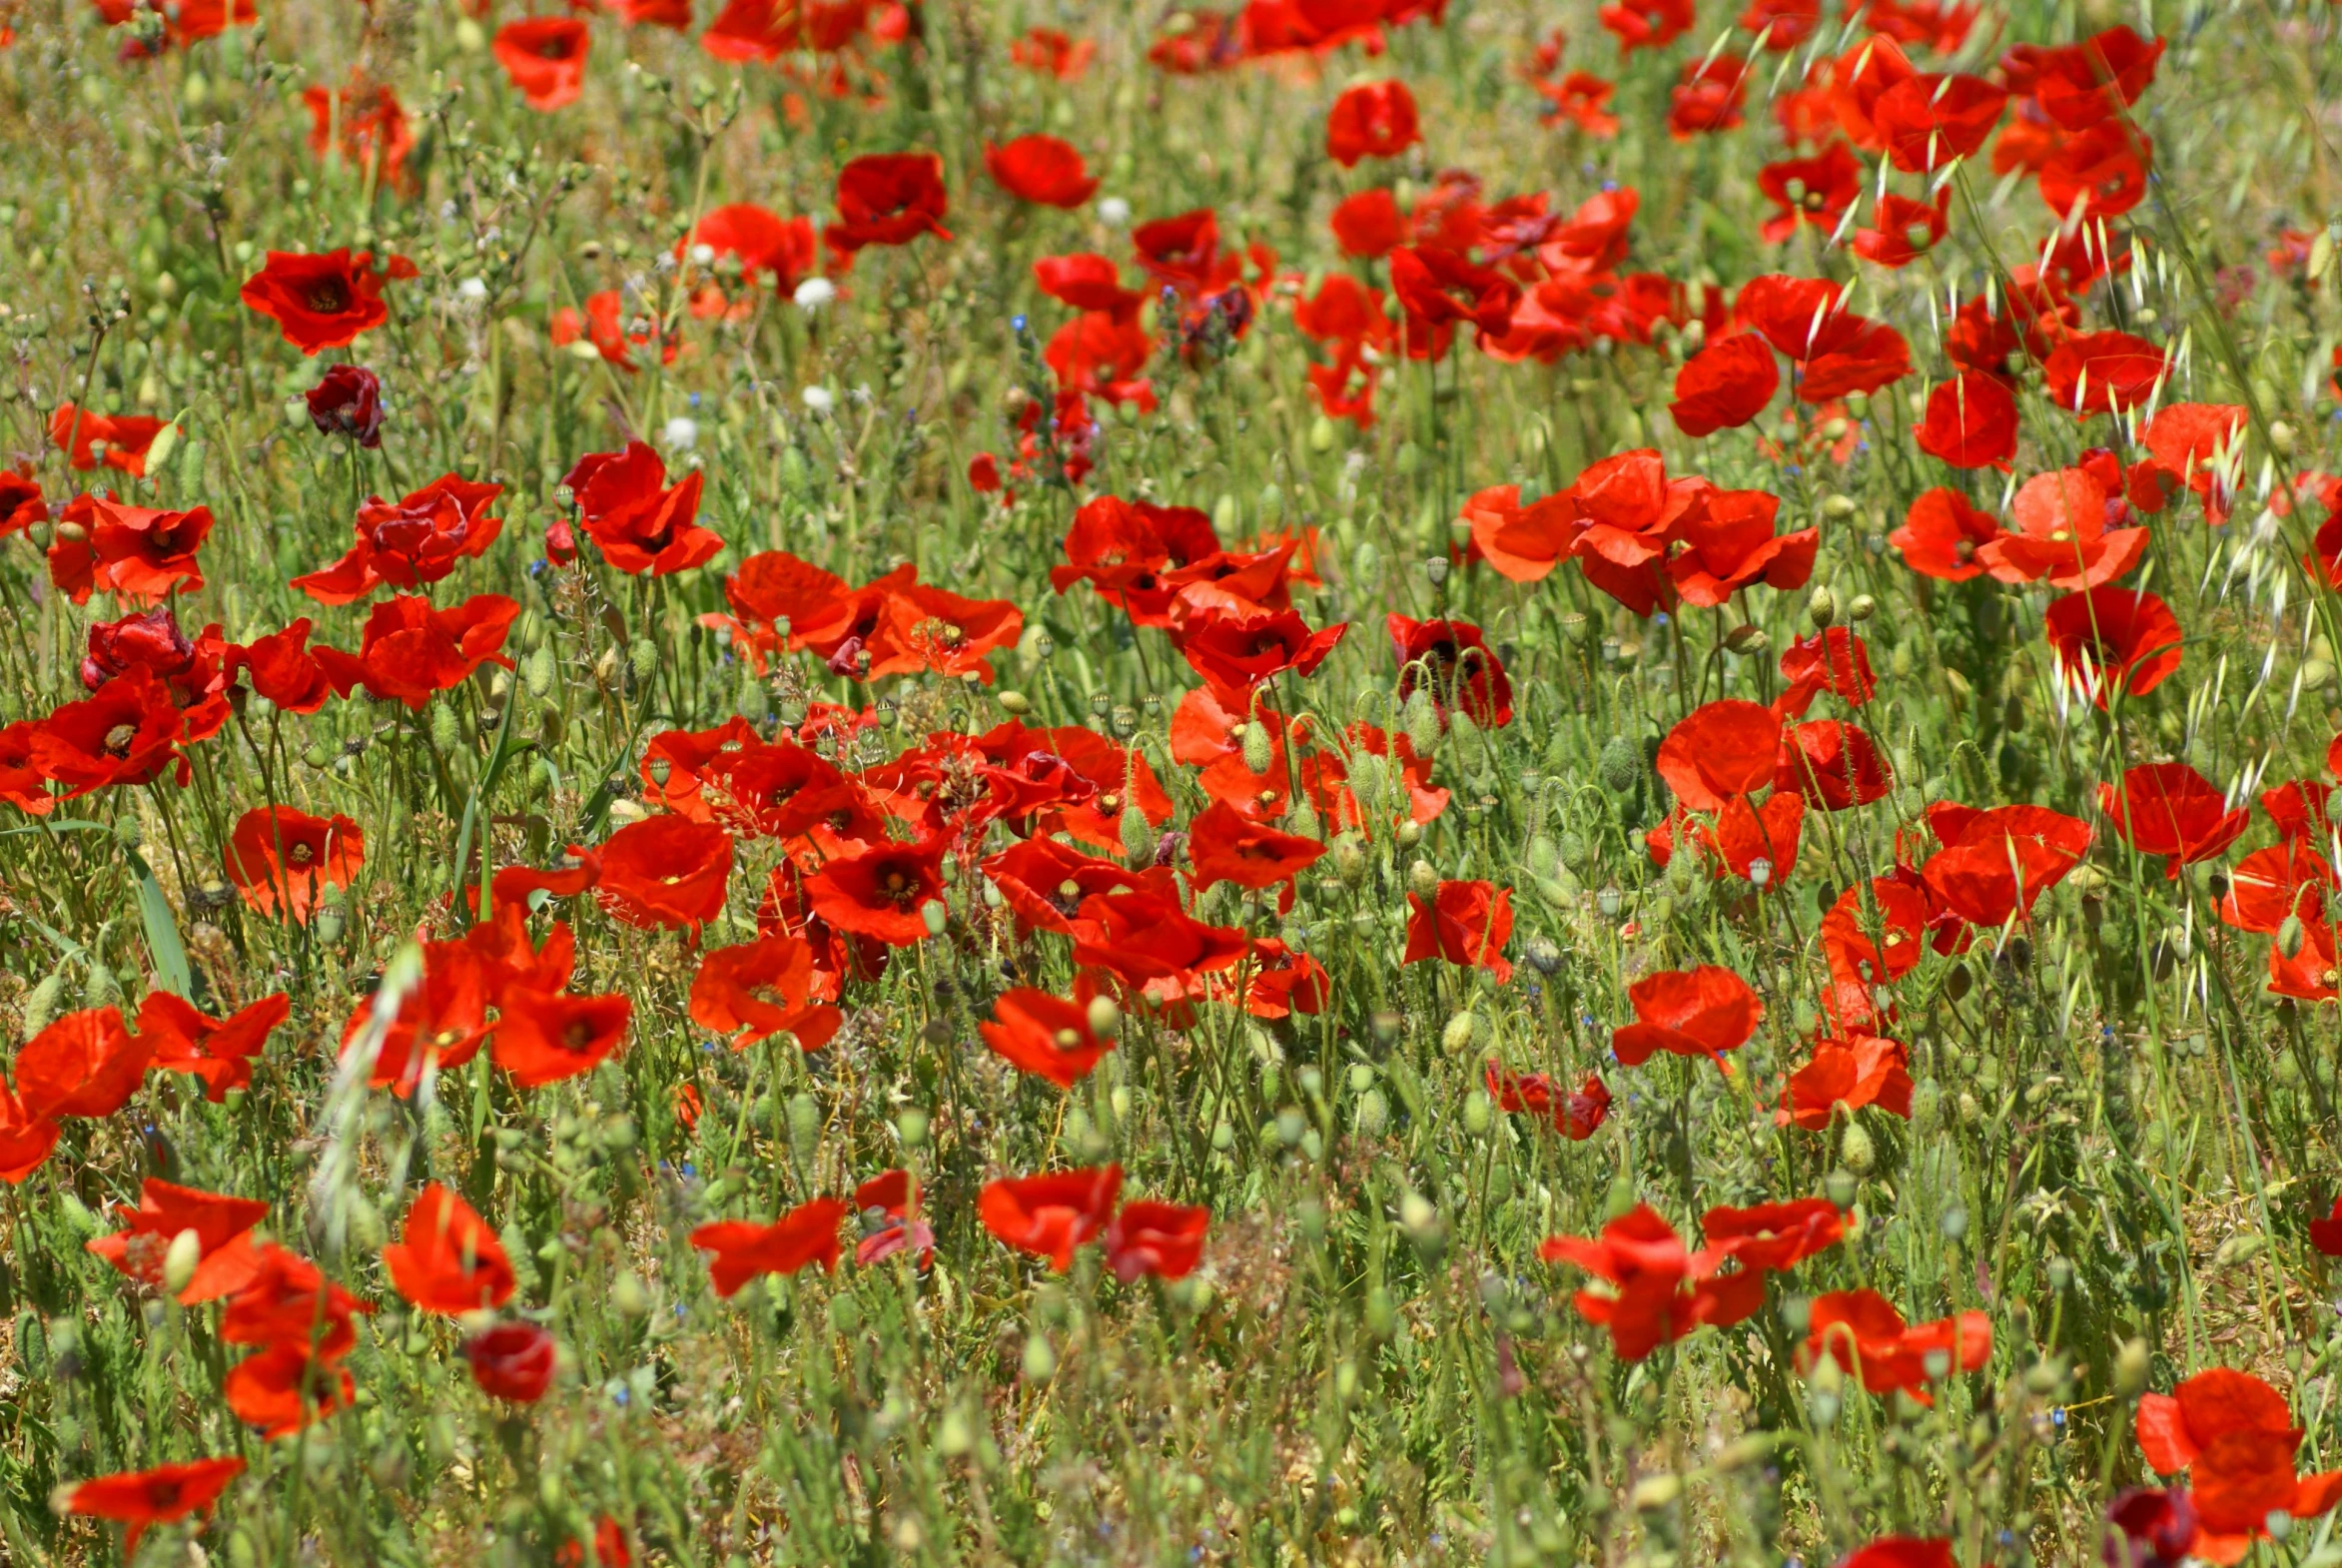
x=1017, y=324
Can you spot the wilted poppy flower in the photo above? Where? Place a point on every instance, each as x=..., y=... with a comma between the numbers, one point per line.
x=1725, y=386
x=1041, y=168
x=126, y=438
x=410, y=650
x=1465, y=923
x=219, y=1051
x=888, y=199
x=282, y=860
x=166, y=1211
x=545, y=1037
x=1775, y=1235
x=2149, y=1527
x=1045, y=1035
x=1372, y=120
x=349, y=401
x=1453, y=662
x=881, y=892
x=1226, y=846
x=1151, y=1237
x=446, y=1259
x=2090, y=373
x=139, y=1498
x=2113, y=641
x=1050, y=1215
x=1575, y=1113
x=323, y=301
x=807, y=1233
x=514, y=1361
x=544, y=56
x=2169, y=809
x=1660, y=1290
x=1971, y=422
x=1834, y=764
x=2234, y=1435
x=1940, y=535
x=366, y=124
x=1723, y=749
x=1862, y=1333
x=640, y=522
x=1701, y=1012
x=760, y=988
x=410, y=543
x=1859, y=1070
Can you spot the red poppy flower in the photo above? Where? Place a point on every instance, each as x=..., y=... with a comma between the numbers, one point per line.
x=1994, y=864
x=219, y=1051
x=1367, y=224
x=665, y=871
x=1452, y=660
x=127, y=732
x=1050, y=1215
x=1646, y=24
x=1971, y=422
x=604, y=324
x=1754, y=842
x=1863, y=1070
x=1440, y=288
x=1043, y=882
x=2326, y=1234
x=1908, y=1551
x=760, y=988
x=1724, y=542
x=283, y=1389
x=1722, y=749
x=140, y=553
x=348, y=400
x=2090, y=373
x=139, y=1498
x=641, y=523
x=1151, y=1237
x=1225, y=845
x=166, y=1210
x=1465, y=923
x=888, y=199
x=2111, y=641
x=881, y=892
x=21, y=504
x=1581, y=99
x=1707, y=98
x=1236, y=652
x=544, y=56
x=1834, y=764
x=410, y=543
x=514, y=1361
x=195, y=672
x=769, y=248
x=1147, y=939
x=2236, y=1438
x=1701, y=1012
x=1372, y=120
x=1775, y=1235
x=1835, y=662
x=1901, y=230
x=282, y=860
x=1862, y=1333
x=366, y=124
x=446, y=1259
x=1087, y=282
x=80, y=433
x=443, y=1021
x=1940, y=535
x=2169, y=809
x=1660, y=1290
x=2199, y=445
x=1041, y=168
x=410, y=650
x=743, y=1252
x=544, y=1037
x=1575, y=1113
x=283, y=669
x=1928, y=121
x=2081, y=85
x=1045, y=1035
x=2062, y=516
x=1725, y=386
x=2098, y=173
x=323, y=301
x=1816, y=190
x=2292, y=876
x=1048, y=52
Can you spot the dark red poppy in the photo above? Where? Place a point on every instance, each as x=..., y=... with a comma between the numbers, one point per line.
x=349, y=401
x=1858, y=1071
x=410, y=650
x=1725, y=386
x=642, y=523
x=140, y=1498
x=1050, y=1215
x=127, y=732
x=1372, y=120
x=1046, y=1036
x=1775, y=1235
x=1660, y=1290
x=2111, y=641
x=1041, y=168
x=1940, y=535
x=806, y=1235
x=2324, y=1234
x=81, y=433
x=1971, y=422
x=197, y=672
x=545, y=1037
x=411, y=542
x=888, y=199
x=166, y=1211
x=1465, y=923
x=1451, y=660
x=515, y=1361
x=2150, y=1527
x=2090, y=373
x=326, y=301
x=1862, y=1333
x=446, y=1259
x=665, y=871
x=1926, y=121
x=282, y=860
x=219, y=1051
x=544, y=56
x=1152, y=1238
x=1817, y=191
x=21, y=504
x=1722, y=749
x=2169, y=809
x=1575, y=1113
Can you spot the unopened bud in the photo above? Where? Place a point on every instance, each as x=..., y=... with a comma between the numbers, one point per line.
x=935, y=914
x=1260, y=751
x=1822, y=609
x=186, y=1250
x=1105, y=1018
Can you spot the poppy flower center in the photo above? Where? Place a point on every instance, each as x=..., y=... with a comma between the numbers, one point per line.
x=118, y=739
x=896, y=888
x=577, y=1034
x=328, y=296
x=300, y=854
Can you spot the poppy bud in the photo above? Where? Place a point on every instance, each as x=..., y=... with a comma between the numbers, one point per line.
x=445, y=730
x=1424, y=878
x=1409, y=834
x=1620, y=1201
x=643, y=658
x=1411, y=457
x=2281, y=439
x=1457, y=1036
x=2290, y=937
x=1856, y=1151
x=40, y=1005
x=1349, y=861
x=804, y=1127
x=186, y=1250
x=1421, y=717
x=1015, y=702
x=627, y=1296
x=2132, y=1365
x=1417, y=1215
x=1373, y=1113
x=1822, y=609
x=1861, y=610
x=1258, y=755
x=539, y=672
x=1271, y=506
x=1840, y=1186
x=935, y=914
x=1322, y=435
x=1620, y=765
x=1138, y=835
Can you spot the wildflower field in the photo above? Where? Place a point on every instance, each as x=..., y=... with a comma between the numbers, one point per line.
x=1338, y=781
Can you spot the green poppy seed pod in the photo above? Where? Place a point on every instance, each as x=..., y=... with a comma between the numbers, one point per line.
x=1421, y=717
x=1479, y=1109
x=1541, y=854
x=643, y=658
x=100, y=987
x=1904, y=662
x=1465, y=728
x=2281, y=438
x=2290, y=937
x=1015, y=702
x=446, y=732
x=185, y=1250
x=1349, y=861
x=935, y=914
x=541, y=672
x=752, y=705
x=1838, y=505
x=1926, y=1105
x=1620, y=765
x=1322, y=435
x=1260, y=752
x=41, y=1003
x=2131, y=1367
x=328, y=925
x=628, y=1299
x=1408, y=835
x=1225, y=518
x=1381, y=1312
x=911, y=1127
x=1373, y=1115
x=1138, y=835
x=1424, y=878
x=1366, y=563
x=1620, y=1201
x=1270, y=505
x=1105, y=1018
x=1457, y=1036
x=1822, y=609
x=551, y=724
x=804, y=1127
x=1856, y=1151
x=1369, y=778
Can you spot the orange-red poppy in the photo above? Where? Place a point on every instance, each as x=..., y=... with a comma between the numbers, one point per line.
x=446, y=1259
x=744, y=1250
x=1050, y=1215
x=282, y=860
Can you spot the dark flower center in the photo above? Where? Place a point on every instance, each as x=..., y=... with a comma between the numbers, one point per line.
x=118, y=739
x=327, y=297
